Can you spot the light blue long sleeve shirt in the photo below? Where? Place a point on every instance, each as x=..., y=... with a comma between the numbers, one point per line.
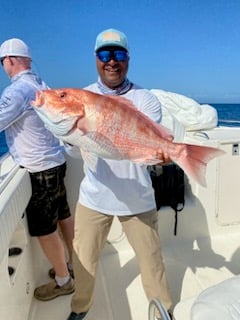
x=30, y=143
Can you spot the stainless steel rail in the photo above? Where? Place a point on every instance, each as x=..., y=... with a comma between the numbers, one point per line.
x=157, y=311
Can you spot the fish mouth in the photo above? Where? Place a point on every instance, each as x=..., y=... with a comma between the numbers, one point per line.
x=39, y=100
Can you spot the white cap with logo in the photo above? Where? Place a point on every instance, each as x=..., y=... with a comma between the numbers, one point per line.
x=15, y=48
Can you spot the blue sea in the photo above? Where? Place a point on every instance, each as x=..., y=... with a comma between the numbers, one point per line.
x=228, y=115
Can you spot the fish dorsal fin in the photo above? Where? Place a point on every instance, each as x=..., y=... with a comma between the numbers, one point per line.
x=165, y=132
x=119, y=99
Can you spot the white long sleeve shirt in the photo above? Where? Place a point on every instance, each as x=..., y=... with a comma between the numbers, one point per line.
x=121, y=187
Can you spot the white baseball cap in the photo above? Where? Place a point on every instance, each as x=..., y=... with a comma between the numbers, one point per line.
x=14, y=47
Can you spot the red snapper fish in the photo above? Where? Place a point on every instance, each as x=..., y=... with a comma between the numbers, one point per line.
x=111, y=127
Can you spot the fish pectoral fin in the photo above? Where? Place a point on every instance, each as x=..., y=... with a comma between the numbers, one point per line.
x=90, y=159
x=79, y=131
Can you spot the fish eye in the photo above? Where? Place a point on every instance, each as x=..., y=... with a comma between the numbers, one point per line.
x=63, y=94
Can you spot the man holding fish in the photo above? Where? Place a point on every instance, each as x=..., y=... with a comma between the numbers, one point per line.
x=117, y=188
x=116, y=126
x=35, y=148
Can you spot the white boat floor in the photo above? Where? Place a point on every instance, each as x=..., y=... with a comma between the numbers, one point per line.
x=119, y=295
x=193, y=268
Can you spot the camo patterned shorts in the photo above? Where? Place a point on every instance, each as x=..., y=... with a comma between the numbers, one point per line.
x=48, y=203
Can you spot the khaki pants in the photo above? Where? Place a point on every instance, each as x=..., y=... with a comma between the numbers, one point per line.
x=91, y=231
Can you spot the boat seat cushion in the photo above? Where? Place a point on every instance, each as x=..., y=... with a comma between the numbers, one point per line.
x=221, y=302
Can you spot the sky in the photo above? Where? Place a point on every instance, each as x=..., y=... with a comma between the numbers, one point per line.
x=190, y=47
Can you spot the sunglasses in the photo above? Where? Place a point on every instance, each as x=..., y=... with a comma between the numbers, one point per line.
x=116, y=55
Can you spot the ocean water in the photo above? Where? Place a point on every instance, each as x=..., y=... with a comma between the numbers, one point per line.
x=228, y=115
x=3, y=146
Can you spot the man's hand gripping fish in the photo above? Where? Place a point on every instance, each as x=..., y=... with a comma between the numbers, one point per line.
x=111, y=127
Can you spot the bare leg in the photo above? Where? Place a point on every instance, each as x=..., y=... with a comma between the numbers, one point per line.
x=53, y=248
x=67, y=229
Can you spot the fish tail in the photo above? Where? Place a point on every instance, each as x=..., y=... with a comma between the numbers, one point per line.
x=195, y=162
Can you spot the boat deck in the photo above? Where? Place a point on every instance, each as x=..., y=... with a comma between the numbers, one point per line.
x=191, y=268
x=205, y=251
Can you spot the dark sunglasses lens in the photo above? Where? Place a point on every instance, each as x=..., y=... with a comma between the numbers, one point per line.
x=120, y=55
x=104, y=56
x=107, y=55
